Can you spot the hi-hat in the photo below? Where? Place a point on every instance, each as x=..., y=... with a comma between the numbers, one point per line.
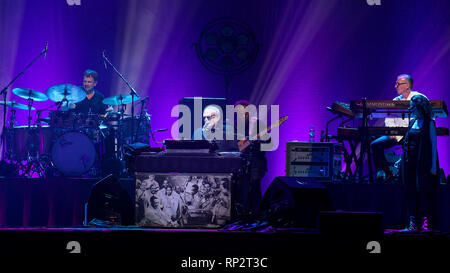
x=119, y=99
x=30, y=94
x=44, y=120
x=116, y=115
x=16, y=105
x=71, y=92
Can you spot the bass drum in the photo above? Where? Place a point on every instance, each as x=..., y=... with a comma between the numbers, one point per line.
x=73, y=154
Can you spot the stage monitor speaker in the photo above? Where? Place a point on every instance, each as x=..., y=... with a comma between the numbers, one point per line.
x=295, y=202
x=110, y=203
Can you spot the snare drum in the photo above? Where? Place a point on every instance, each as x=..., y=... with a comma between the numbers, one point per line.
x=112, y=119
x=63, y=119
x=96, y=134
x=23, y=141
x=88, y=121
x=73, y=154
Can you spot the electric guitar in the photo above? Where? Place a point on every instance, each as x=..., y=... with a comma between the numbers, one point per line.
x=244, y=143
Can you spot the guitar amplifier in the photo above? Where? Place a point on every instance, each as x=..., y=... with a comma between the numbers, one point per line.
x=321, y=160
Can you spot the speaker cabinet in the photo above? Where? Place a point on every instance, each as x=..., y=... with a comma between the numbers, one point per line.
x=295, y=201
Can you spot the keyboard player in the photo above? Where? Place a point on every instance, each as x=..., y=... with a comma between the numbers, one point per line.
x=403, y=85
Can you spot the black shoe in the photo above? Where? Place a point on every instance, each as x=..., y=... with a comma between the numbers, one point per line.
x=389, y=176
x=426, y=225
x=384, y=175
x=412, y=225
x=381, y=176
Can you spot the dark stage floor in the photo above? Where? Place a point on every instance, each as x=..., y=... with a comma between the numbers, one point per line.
x=175, y=245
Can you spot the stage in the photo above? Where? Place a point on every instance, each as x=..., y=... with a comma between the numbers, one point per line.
x=196, y=113
x=49, y=214
x=60, y=202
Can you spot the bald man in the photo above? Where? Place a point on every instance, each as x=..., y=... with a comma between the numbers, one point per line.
x=214, y=129
x=403, y=86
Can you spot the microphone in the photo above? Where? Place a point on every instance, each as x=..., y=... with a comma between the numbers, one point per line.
x=104, y=60
x=206, y=125
x=45, y=50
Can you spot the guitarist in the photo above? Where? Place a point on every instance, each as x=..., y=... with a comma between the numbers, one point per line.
x=250, y=188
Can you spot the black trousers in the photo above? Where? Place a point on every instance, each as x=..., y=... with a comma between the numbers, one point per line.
x=248, y=193
x=377, y=147
x=421, y=190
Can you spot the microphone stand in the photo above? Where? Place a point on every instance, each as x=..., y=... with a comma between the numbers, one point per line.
x=5, y=91
x=141, y=115
x=133, y=93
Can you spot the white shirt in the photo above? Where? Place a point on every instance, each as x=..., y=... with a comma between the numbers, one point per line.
x=172, y=205
x=400, y=122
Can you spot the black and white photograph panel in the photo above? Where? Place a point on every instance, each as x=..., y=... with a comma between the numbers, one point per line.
x=183, y=200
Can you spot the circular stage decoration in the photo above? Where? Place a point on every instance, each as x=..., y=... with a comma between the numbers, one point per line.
x=227, y=46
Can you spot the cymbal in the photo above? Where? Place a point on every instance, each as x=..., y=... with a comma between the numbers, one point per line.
x=119, y=99
x=16, y=105
x=117, y=114
x=44, y=120
x=73, y=93
x=30, y=94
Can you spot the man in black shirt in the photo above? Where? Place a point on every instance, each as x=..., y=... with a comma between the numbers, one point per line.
x=92, y=104
x=256, y=158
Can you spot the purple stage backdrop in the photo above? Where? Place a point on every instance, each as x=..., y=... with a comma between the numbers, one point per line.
x=312, y=53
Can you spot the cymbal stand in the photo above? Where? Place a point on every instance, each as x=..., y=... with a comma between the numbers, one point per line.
x=4, y=92
x=365, y=144
x=63, y=100
x=11, y=136
x=30, y=103
x=33, y=167
x=12, y=118
x=31, y=147
x=119, y=136
x=142, y=115
x=4, y=124
x=122, y=105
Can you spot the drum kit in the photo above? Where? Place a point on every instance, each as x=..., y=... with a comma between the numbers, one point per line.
x=68, y=143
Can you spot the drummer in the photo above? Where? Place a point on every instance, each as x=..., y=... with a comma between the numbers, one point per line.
x=92, y=103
